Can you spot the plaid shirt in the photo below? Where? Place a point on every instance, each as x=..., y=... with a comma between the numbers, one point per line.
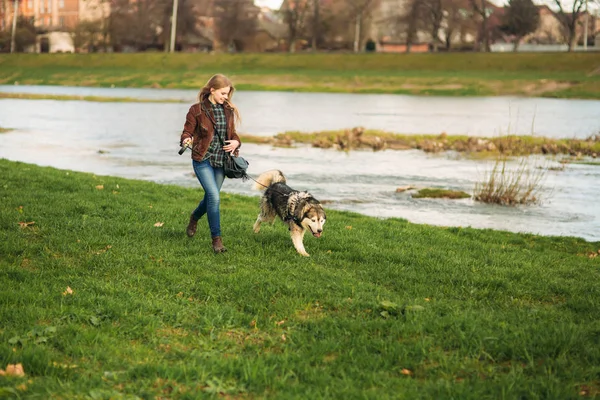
x=215, y=153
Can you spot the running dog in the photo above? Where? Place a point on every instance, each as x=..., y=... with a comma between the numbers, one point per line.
x=299, y=210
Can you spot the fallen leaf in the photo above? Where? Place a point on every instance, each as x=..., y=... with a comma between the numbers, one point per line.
x=13, y=370
x=179, y=294
x=348, y=227
x=20, y=209
x=100, y=187
x=406, y=371
x=103, y=250
x=283, y=337
x=159, y=224
x=427, y=299
x=63, y=365
x=68, y=291
x=280, y=322
x=26, y=224
x=253, y=323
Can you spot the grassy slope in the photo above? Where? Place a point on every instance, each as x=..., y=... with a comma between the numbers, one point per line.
x=548, y=74
x=479, y=313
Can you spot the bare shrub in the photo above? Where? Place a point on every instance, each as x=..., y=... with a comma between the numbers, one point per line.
x=506, y=185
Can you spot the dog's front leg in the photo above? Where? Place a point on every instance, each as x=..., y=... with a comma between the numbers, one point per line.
x=256, y=226
x=297, y=235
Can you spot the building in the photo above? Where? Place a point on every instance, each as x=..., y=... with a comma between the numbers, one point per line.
x=52, y=16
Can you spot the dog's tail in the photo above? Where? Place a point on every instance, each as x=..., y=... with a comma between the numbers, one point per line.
x=268, y=178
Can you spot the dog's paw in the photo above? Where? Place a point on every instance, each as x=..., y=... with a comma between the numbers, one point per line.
x=256, y=230
x=305, y=254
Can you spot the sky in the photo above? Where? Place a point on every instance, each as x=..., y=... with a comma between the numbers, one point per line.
x=273, y=4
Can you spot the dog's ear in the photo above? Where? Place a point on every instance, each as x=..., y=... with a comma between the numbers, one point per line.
x=300, y=210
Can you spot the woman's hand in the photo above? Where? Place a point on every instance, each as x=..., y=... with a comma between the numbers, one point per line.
x=231, y=145
x=187, y=142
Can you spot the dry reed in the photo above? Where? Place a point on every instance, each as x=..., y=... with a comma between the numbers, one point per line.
x=511, y=186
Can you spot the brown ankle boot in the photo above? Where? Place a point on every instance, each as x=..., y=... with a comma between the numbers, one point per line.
x=191, y=228
x=217, y=245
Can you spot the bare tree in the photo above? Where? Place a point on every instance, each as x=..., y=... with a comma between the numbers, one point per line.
x=294, y=14
x=186, y=20
x=480, y=8
x=135, y=24
x=335, y=28
x=570, y=19
x=235, y=20
x=86, y=34
x=146, y=23
x=24, y=35
x=521, y=18
x=316, y=21
x=433, y=15
x=359, y=12
x=452, y=22
x=413, y=18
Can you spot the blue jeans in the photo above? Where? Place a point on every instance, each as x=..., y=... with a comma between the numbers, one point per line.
x=211, y=179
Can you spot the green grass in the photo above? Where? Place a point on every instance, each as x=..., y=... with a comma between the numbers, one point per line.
x=456, y=74
x=99, y=99
x=381, y=309
x=595, y=163
x=440, y=193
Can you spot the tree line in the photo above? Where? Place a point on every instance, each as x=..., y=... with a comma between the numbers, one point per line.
x=351, y=25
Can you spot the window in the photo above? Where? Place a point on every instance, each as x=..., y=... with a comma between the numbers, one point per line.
x=30, y=4
x=61, y=21
x=41, y=7
x=61, y=3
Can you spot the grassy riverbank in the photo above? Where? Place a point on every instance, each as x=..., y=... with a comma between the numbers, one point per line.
x=508, y=145
x=99, y=99
x=103, y=296
x=458, y=74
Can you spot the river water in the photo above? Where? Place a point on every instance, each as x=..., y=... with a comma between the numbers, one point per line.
x=140, y=141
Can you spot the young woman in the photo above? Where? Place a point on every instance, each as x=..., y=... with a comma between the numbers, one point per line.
x=209, y=130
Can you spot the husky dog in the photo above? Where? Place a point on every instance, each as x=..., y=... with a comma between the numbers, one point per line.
x=299, y=210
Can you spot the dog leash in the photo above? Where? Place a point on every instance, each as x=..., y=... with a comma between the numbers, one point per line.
x=289, y=217
x=184, y=148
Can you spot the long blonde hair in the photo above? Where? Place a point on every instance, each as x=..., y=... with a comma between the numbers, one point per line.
x=219, y=81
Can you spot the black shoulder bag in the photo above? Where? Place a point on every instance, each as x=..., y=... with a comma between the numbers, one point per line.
x=234, y=166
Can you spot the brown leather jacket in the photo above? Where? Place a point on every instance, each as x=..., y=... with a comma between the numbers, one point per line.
x=200, y=126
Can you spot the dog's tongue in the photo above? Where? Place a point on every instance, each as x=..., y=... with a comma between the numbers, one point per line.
x=317, y=234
